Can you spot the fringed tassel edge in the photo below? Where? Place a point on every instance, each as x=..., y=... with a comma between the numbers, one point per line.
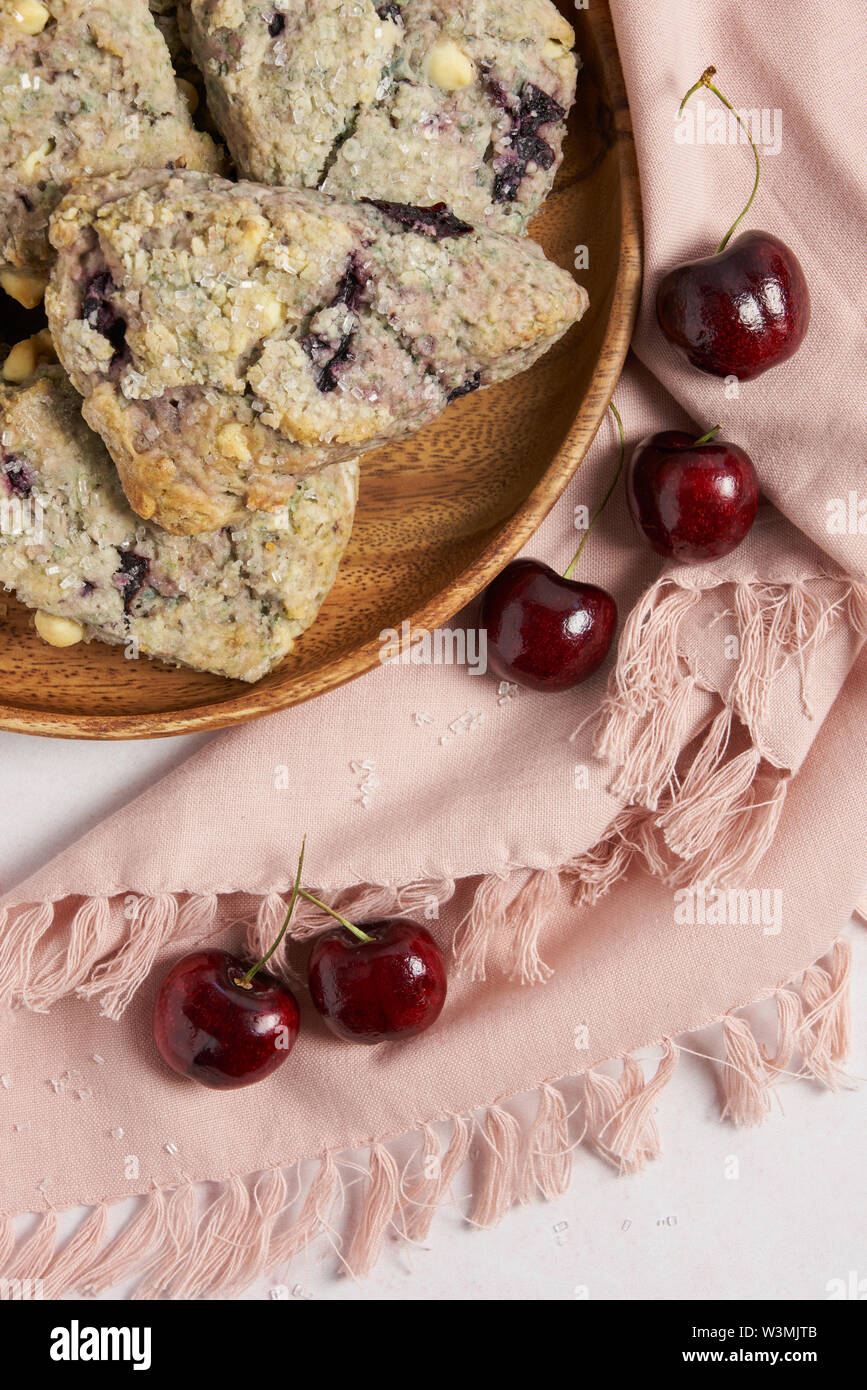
x=710, y=823
x=646, y=717
x=109, y=947
x=705, y=814
x=38, y=967
x=180, y=1249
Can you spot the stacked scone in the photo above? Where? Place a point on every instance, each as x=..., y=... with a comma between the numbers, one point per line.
x=228, y=348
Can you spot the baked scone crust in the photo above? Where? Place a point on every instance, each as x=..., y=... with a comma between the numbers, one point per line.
x=230, y=338
x=232, y=602
x=418, y=101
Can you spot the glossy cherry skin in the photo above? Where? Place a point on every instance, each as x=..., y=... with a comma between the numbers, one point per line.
x=545, y=631
x=219, y=1033
x=379, y=991
x=739, y=312
x=694, y=502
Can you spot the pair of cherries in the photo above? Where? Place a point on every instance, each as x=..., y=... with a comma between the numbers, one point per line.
x=227, y=1025
x=736, y=313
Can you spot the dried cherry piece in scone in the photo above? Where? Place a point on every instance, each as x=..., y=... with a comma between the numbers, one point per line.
x=437, y=221
x=535, y=108
x=131, y=576
x=328, y=359
x=101, y=315
x=353, y=283
x=472, y=383
x=16, y=476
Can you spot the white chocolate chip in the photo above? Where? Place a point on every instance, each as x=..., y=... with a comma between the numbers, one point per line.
x=30, y=163
x=58, y=632
x=270, y=311
x=28, y=16
x=448, y=66
x=563, y=31
x=24, y=285
x=232, y=444
x=188, y=92
x=21, y=362
x=24, y=356
x=253, y=232
x=554, y=49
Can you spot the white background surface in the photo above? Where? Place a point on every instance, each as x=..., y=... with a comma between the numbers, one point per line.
x=789, y=1224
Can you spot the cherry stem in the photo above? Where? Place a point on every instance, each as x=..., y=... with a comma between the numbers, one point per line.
x=350, y=926
x=604, y=503
x=711, y=434
x=705, y=81
x=244, y=981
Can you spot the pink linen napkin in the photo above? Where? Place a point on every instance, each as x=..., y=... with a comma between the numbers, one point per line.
x=550, y=841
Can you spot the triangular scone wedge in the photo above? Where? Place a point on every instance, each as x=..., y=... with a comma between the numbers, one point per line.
x=85, y=89
x=229, y=338
x=231, y=602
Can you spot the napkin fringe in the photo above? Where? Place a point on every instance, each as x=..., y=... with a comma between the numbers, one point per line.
x=86, y=962
x=498, y=1184
x=212, y=1239
x=648, y=709
x=710, y=834
x=485, y=921
x=498, y=911
x=620, y=1123
x=547, y=1167
x=378, y=1205
x=814, y=1021
x=421, y=1197
x=704, y=815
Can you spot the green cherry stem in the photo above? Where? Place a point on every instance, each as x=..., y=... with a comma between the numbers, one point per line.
x=711, y=434
x=705, y=81
x=350, y=926
x=244, y=980
x=604, y=503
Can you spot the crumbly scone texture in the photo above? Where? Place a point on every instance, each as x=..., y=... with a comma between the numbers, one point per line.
x=418, y=101
x=172, y=18
x=231, y=602
x=229, y=338
x=93, y=93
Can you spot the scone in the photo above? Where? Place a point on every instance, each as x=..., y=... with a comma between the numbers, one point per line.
x=232, y=602
x=86, y=87
x=418, y=101
x=229, y=338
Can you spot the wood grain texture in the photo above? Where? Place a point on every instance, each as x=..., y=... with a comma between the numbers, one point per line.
x=439, y=514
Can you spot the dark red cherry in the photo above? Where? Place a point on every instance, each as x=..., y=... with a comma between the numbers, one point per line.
x=212, y=1026
x=543, y=630
x=391, y=987
x=739, y=312
x=693, y=501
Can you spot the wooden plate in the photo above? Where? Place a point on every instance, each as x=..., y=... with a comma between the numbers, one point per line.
x=440, y=514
